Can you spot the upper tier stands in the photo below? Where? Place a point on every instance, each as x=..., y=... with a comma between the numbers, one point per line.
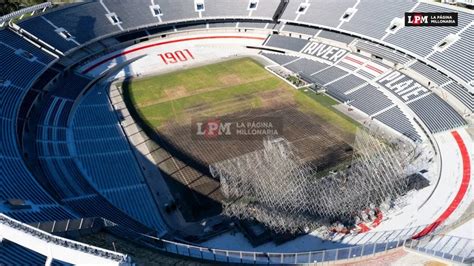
x=18, y=56
x=91, y=20
x=458, y=57
x=99, y=22
x=318, y=12
x=361, y=23
x=407, y=37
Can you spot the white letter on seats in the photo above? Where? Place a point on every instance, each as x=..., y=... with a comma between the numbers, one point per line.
x=338, y=55
x=389, y=77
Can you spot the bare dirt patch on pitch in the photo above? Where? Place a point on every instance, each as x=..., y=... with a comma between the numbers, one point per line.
x=314, y=139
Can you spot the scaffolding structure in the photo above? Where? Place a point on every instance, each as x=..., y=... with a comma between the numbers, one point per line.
x=275, y=187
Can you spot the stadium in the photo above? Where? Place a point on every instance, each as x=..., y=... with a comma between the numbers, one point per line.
x=237, y=132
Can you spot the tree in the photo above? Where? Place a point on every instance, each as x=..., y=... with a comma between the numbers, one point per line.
x=9, y=6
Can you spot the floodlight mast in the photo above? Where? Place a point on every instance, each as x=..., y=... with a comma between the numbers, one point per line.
x=277, y=188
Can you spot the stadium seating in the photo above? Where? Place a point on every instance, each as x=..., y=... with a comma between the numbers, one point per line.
x=436, y=114
x=68, y=177
x=383, y=52
x=328, y=75
x=293, y=28
x=429, y=72
x=103, y=152
x=93, y=169
x=280, y=59
x=255, y=25
x=458, y=57
x=344, y=84
x=319, y=12
x=431, y=36
x=43, y=214
x=395, y=119
x=20, y=58
x=13, y=254
x=386, y=12
x=287, y=43
x=336, y=36
x=17, y=181
x=306, y=66
x=461, y=94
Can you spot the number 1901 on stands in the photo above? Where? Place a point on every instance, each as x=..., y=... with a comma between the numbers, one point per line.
x=177, y=56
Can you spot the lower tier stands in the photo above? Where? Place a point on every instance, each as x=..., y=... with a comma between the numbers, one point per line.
x=328, y=75
x=306, y=66
x=344, y=84
x=285, y=42
x=18, y=184
x=446, y=83
x=60, y=168
x=458, y=57
x=42, y=214
x=395, y=119
x=13, y=254
x=350, y=88
x=103, y=151
x=280, y=59
x=369, y=99
x=436, y=114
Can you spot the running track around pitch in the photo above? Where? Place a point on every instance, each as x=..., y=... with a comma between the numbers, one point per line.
x=87, y=70
x=466, y=176
x=466, y=162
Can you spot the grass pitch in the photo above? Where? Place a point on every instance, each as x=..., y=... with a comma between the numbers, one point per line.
x=221, y=89
x=234, y=90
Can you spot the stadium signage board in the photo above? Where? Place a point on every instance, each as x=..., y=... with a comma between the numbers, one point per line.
x=431, y=19
x=324, y=51
x=245, y=128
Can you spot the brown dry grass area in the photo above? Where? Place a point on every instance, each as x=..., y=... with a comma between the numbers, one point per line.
x=175, y=93
x=230, y=79
x=314, y=139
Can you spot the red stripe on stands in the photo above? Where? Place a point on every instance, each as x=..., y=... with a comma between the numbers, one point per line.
x=354, y=60
x=374, y=69
x=166, y=42
x=466, y=162
x=363, y=228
